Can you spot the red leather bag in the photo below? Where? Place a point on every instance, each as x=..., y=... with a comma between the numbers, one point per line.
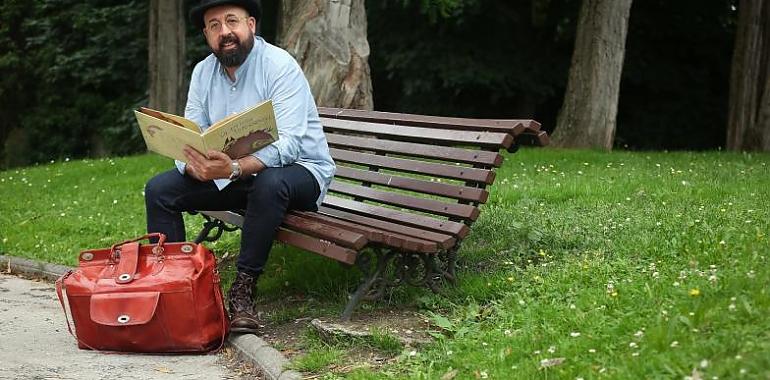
x=163, y=297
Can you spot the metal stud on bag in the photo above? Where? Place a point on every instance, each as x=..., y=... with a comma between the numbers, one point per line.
x=123, y=318
x=87, y=256
x=187, y=248
x=124, y=277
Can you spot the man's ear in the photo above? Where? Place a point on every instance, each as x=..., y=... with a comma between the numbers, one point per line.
x=252, y=25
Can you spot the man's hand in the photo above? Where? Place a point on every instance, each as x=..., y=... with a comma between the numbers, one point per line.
x=214, y=165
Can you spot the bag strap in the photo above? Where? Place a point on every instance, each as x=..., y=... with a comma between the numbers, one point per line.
x=222, y=313
x=60, y=291
x=128, y=254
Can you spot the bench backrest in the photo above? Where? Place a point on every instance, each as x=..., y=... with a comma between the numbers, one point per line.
x=423, y=172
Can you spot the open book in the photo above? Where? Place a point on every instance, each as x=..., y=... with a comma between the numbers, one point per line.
x=236, y=135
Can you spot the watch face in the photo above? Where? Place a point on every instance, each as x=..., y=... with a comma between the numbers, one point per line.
x=236, y=170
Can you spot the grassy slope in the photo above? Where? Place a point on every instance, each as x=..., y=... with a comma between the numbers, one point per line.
x=625, y=264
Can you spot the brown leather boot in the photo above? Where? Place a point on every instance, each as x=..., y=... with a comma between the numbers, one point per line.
x=241, y=304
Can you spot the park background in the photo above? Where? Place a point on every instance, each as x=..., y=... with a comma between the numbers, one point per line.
x=73, y=71
x=639, y=256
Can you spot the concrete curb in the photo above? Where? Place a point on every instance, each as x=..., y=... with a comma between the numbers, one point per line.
x=31, y=267
x=258, y=352
x=250, y=348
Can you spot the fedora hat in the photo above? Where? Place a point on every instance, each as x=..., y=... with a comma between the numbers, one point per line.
x=196, y=13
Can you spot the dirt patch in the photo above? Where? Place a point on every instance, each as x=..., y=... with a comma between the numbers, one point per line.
x=288, y=335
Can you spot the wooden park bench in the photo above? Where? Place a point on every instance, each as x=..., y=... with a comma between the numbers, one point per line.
x=406, y=191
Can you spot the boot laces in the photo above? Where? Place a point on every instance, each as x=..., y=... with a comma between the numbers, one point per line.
x=241, y=293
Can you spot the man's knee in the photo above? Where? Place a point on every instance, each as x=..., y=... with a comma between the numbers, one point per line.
x=270, y=183
x=158, y=187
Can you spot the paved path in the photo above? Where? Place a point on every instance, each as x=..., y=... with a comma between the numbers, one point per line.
x=35, y=344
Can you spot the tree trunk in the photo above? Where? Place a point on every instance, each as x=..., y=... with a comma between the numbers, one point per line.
x=328, y=39
x=748, y=123
x=588, y=115
x=167, y=56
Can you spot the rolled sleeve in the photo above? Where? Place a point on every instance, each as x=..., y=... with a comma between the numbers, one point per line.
x=181, y=166
x=290, y=105
x=269, y=155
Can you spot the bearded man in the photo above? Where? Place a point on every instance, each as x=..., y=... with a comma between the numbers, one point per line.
x=292, y=173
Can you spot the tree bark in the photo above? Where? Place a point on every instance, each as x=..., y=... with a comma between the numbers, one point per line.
x=748, y=123
x=167, y=56
x=588, y=115
x=328, y=39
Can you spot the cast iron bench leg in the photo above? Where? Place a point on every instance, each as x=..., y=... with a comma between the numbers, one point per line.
x=209, y=225
x=370, y=278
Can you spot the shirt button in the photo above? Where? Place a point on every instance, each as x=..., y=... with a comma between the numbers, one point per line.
x=232, y=88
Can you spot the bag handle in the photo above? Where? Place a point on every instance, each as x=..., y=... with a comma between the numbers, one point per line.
x=161, y=239
x=126, y=254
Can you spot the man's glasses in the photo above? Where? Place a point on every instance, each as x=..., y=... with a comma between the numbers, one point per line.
x=232, y=22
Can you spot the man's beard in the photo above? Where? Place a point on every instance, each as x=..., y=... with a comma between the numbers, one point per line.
x=234, y=57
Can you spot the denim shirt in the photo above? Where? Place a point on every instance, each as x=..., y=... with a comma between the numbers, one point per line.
x=269, y=72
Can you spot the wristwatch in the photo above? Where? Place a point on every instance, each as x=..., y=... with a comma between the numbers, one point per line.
x=235, y=166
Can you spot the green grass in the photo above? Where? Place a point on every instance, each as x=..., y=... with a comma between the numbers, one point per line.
x=627, y=265
x=320, y=354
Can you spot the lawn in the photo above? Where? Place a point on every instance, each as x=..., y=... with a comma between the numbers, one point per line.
x=582, y=265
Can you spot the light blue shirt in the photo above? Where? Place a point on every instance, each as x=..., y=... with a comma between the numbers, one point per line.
x=269, y=72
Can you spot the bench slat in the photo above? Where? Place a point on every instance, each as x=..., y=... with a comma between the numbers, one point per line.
x=313, y=244
x=459, y=230
x=339, y=236
x=435, y=188
x=321, y=247
x=375, y=235
x=411, y=166
x=402, y=200
x=538, y=138
x=444, y=241
x=513, y=126
x=484, y=139
x=469, y=156
x=228, y=217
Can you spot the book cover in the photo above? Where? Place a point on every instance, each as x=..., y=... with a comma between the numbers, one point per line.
x=236, y=135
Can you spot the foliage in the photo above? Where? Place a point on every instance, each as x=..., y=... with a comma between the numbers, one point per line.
x=73, y=71
x=674, y=90
x=628, y=265
x=485, y=59
x=80, y=65
x=503, y=59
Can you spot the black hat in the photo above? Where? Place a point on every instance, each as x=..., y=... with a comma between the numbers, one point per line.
x=196, y=13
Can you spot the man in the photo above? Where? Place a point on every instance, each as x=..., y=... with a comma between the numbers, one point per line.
x=292, y=173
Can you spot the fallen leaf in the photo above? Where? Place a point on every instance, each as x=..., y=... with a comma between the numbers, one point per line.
x=545, y=363
x=695, y=374
x=164, y=370
x=449, y=375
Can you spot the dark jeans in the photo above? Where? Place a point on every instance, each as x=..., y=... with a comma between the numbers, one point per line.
x=266, y=197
